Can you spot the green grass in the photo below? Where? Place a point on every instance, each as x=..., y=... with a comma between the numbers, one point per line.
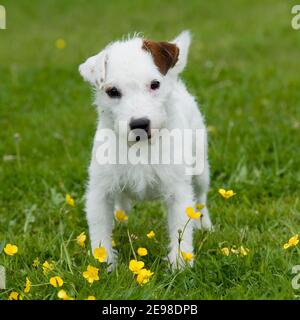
x=244, y=70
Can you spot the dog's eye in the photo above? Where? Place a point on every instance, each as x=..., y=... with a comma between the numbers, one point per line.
x=113, y=92
x=155, y=85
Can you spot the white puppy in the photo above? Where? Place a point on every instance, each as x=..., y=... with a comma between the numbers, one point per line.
x=136, y=82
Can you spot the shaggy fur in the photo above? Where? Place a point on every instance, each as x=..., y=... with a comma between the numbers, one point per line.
x=128, y=66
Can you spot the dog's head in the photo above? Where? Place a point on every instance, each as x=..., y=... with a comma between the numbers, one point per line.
x=134, y=78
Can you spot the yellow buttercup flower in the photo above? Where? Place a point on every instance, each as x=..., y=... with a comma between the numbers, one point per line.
x=187, y=256
x=100, y=254
x=60, y=43
x=121, y=216
x=36, y=262
x=143, y=276
x=225, y=251
x=81, y=239
x=47, y=267
x=226, y=194
x=27, y=285
x=243, y=251
x=142, y=252
x=91, y=298
x=135, y=266
x=113, y=243
x=293, y=241
x=91, y=274
x=15, y=296
x=10, y=249
x=192, y=214
x=200, y=206
x=70, y=201
x=63, y=295
x=234, y=250
x=56, y=281
x=151, y=234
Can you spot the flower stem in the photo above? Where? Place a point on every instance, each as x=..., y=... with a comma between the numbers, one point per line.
x=131, y=246
x=180, y=238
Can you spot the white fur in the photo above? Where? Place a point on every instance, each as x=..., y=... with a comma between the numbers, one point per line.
x=125, y=65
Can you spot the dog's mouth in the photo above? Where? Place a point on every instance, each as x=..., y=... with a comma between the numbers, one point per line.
x=137, y=135
x=141, y=138
x=137, y=139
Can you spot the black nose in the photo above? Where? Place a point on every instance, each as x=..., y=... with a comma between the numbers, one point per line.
x=141, y=124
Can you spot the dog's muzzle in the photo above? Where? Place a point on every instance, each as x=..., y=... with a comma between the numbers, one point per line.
x=141, y=128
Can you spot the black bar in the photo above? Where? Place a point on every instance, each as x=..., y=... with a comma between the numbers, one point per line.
x=146, y=309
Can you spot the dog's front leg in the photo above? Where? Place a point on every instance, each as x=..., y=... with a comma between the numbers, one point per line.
x=180, y=230
x=99, y=211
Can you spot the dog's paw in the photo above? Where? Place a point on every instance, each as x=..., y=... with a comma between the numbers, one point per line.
x=112, y=258
x=204, y=222
x=177, y=261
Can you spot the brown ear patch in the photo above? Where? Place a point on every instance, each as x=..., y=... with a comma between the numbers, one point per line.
x=165, y=54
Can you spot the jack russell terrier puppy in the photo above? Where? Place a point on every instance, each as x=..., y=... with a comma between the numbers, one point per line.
x=140, y=98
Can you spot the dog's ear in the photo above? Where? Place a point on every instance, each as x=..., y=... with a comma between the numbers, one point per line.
x=164, y=54
x=94, y=68
x=182, y=41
